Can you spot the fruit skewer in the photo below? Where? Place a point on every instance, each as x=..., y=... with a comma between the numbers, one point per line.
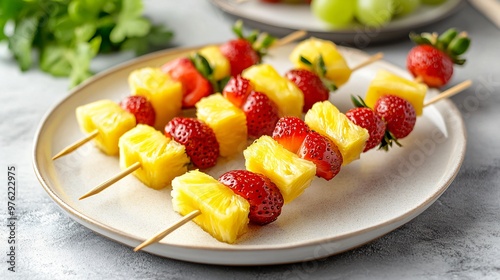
x=171, y=88
x=250, y=102
x=179, y=183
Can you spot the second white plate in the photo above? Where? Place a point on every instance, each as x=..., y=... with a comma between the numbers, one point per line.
x=282, y=19
x=369, y=198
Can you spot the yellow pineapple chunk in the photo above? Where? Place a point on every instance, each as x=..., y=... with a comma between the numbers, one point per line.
x=337, y=69
x=164, y=93
x=284, y=93
x=219, y=63
x=226, y=120
x=161, y=158
x=109, y=119
x=224, y=214
x=387, y=83
x=327, y=120
x=291, y=174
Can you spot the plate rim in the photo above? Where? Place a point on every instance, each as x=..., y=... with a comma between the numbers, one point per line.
x=130, y=239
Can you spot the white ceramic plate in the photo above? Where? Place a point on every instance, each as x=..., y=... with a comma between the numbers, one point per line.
x=369, y=198
x=281, y=19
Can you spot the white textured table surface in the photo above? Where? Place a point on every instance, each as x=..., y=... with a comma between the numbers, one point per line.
x=458, y=237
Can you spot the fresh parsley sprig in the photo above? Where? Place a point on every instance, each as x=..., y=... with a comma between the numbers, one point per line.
x=65, y=35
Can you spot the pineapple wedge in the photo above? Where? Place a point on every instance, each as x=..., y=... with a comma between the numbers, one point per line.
x=284, y=93
x=337, y=69
x=387, y=83
x=224, y=214
x=227, y=121
x=219, y=63
x=109, y=119
x=164, y=93
x=327, y=120
x=161, y=158
x=291, y=174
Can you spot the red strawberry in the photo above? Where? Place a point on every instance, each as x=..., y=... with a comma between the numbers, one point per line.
x=398, y=114
x=141, y=108
x=433, y=66
x=264, y=197
x=261, y=113
x=198, y=138
x=240, y=54
x=311, y=86
x=237, y=90
x=245, y=51
x=366, y=118
x=432, y=60
x=290, y=133
x=194, y=85
x=323, y=152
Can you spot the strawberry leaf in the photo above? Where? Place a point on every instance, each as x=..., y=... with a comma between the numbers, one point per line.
x=358, y=102
x=305, y=61
x=387, y=141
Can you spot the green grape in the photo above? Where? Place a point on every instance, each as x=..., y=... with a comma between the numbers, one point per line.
x=405, y=7
x=338, y=13
x=433, y=2
x=374, y=12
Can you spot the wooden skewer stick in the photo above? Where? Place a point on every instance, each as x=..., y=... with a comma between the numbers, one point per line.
x=369, y=61
x=289, y=38
x=160, y=235
x=76, y=145
x=449, y=92
x=418, y=79
x=112, y=180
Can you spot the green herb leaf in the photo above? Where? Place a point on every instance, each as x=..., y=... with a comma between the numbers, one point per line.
x=130, y=23
x=80, y=60
x=20, y=42
x=69, y=33
x=53, y=59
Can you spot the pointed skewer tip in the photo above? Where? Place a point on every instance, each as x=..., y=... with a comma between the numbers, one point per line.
x=112, y=180
x=70, y=148
x=160, y=235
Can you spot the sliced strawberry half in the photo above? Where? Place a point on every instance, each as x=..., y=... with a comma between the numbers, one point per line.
x=264, y=197
x=194, y=85
x=237, y=90
x=198, y=138
x=261, y=114
x=323, y=152
x=290, y=132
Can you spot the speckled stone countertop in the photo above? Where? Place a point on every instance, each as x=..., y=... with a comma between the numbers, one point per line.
x=458, y=237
